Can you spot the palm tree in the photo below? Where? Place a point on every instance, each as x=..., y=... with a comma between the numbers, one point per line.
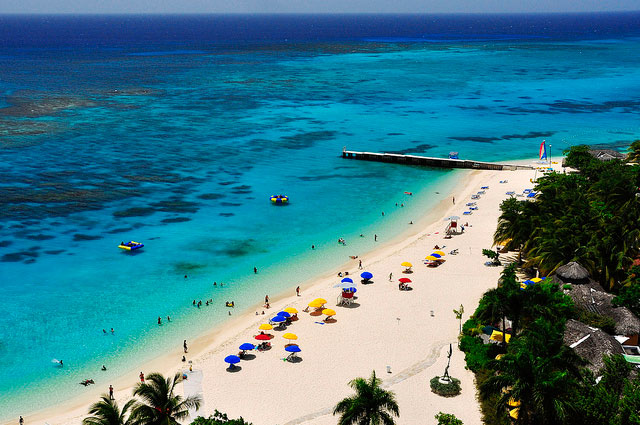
x=540, y=372
x=370, y=405
x=634, y=152
x=107, y=412
x=159, y=404
x=514, y=226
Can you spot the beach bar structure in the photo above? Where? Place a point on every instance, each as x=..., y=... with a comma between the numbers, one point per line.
x=430, y=161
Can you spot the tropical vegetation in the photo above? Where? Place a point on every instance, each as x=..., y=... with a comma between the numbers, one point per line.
x=447, y=419
x=159, y=404
x=219, y=418
x=592, y=217
x=155, y=402
x=370, y=405
x=107, y=412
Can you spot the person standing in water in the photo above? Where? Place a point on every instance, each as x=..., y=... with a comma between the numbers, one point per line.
x=184, y=345
x=298, y=291
x=266, y=299
x=255, y=270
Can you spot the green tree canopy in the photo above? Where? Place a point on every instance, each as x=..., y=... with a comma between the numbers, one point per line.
x=370, y=405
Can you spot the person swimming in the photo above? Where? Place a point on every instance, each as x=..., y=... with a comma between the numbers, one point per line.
x=103, y=367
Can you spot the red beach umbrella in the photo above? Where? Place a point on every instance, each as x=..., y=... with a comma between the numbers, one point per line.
x=404, y=280
x=263, y=337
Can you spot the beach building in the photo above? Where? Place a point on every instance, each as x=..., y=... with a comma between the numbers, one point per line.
x=590, y=343
x=589, y=296
x=607, y=154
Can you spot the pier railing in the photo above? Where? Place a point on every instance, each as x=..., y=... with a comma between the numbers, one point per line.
x=430, y=161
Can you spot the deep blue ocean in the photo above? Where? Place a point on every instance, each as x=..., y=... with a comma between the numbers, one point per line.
x=175, y=130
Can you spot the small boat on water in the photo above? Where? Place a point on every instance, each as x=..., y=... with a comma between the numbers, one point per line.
x=279, y=199
x=130, y=246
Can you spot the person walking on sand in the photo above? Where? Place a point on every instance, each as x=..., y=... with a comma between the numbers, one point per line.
x=360, y=264
x=266, y=299
x=184, y=344
x=390, y=276
x=21, y=421
x=298, y=291
x=453, y=198
x=142, y=377
x=110, y=392
x=375, y=238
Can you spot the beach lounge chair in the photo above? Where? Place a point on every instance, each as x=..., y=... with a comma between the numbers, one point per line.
x=346, y=298
x=481, y=192
x=471, y=204
x=473, y=208
x=467, y=213
x=475, y=196
x=484, y=187
x=510, y=193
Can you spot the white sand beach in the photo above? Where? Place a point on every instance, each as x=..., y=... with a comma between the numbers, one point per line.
x=406, y=331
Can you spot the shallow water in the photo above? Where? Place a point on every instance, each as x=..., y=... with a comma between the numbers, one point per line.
x=178, y=142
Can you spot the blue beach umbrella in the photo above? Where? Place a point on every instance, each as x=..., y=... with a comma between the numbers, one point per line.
x=436, y=255
x=528, y=282
x=283, y=314
x=366, y=275
x=232, y=359
x=247, y=346
x=347, y=279
x=278, y=319
x=292, y=349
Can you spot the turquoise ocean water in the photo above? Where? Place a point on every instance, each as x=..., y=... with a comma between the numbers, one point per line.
x=119, y=128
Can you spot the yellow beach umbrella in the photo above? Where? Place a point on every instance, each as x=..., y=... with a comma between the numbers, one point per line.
x=440, y=253
x=536, y=280
x=431, y=258
x=290, y=336
x=265, y=327
x=406, y=264
x=315, y=304
x=513, y=403
x=514, y=412
x=497, y=336
x=499, y=356
x=290, y=310
x=329, y=312
x=321, y=300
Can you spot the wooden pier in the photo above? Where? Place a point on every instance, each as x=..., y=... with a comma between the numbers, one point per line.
x=430, y=161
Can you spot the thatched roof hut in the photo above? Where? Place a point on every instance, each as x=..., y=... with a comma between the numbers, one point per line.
x=592, y=298
x=573, y=273
x=590, y=343
x=607, y=154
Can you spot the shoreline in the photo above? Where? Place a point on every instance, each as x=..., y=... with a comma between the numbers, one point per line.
x=209, y=343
